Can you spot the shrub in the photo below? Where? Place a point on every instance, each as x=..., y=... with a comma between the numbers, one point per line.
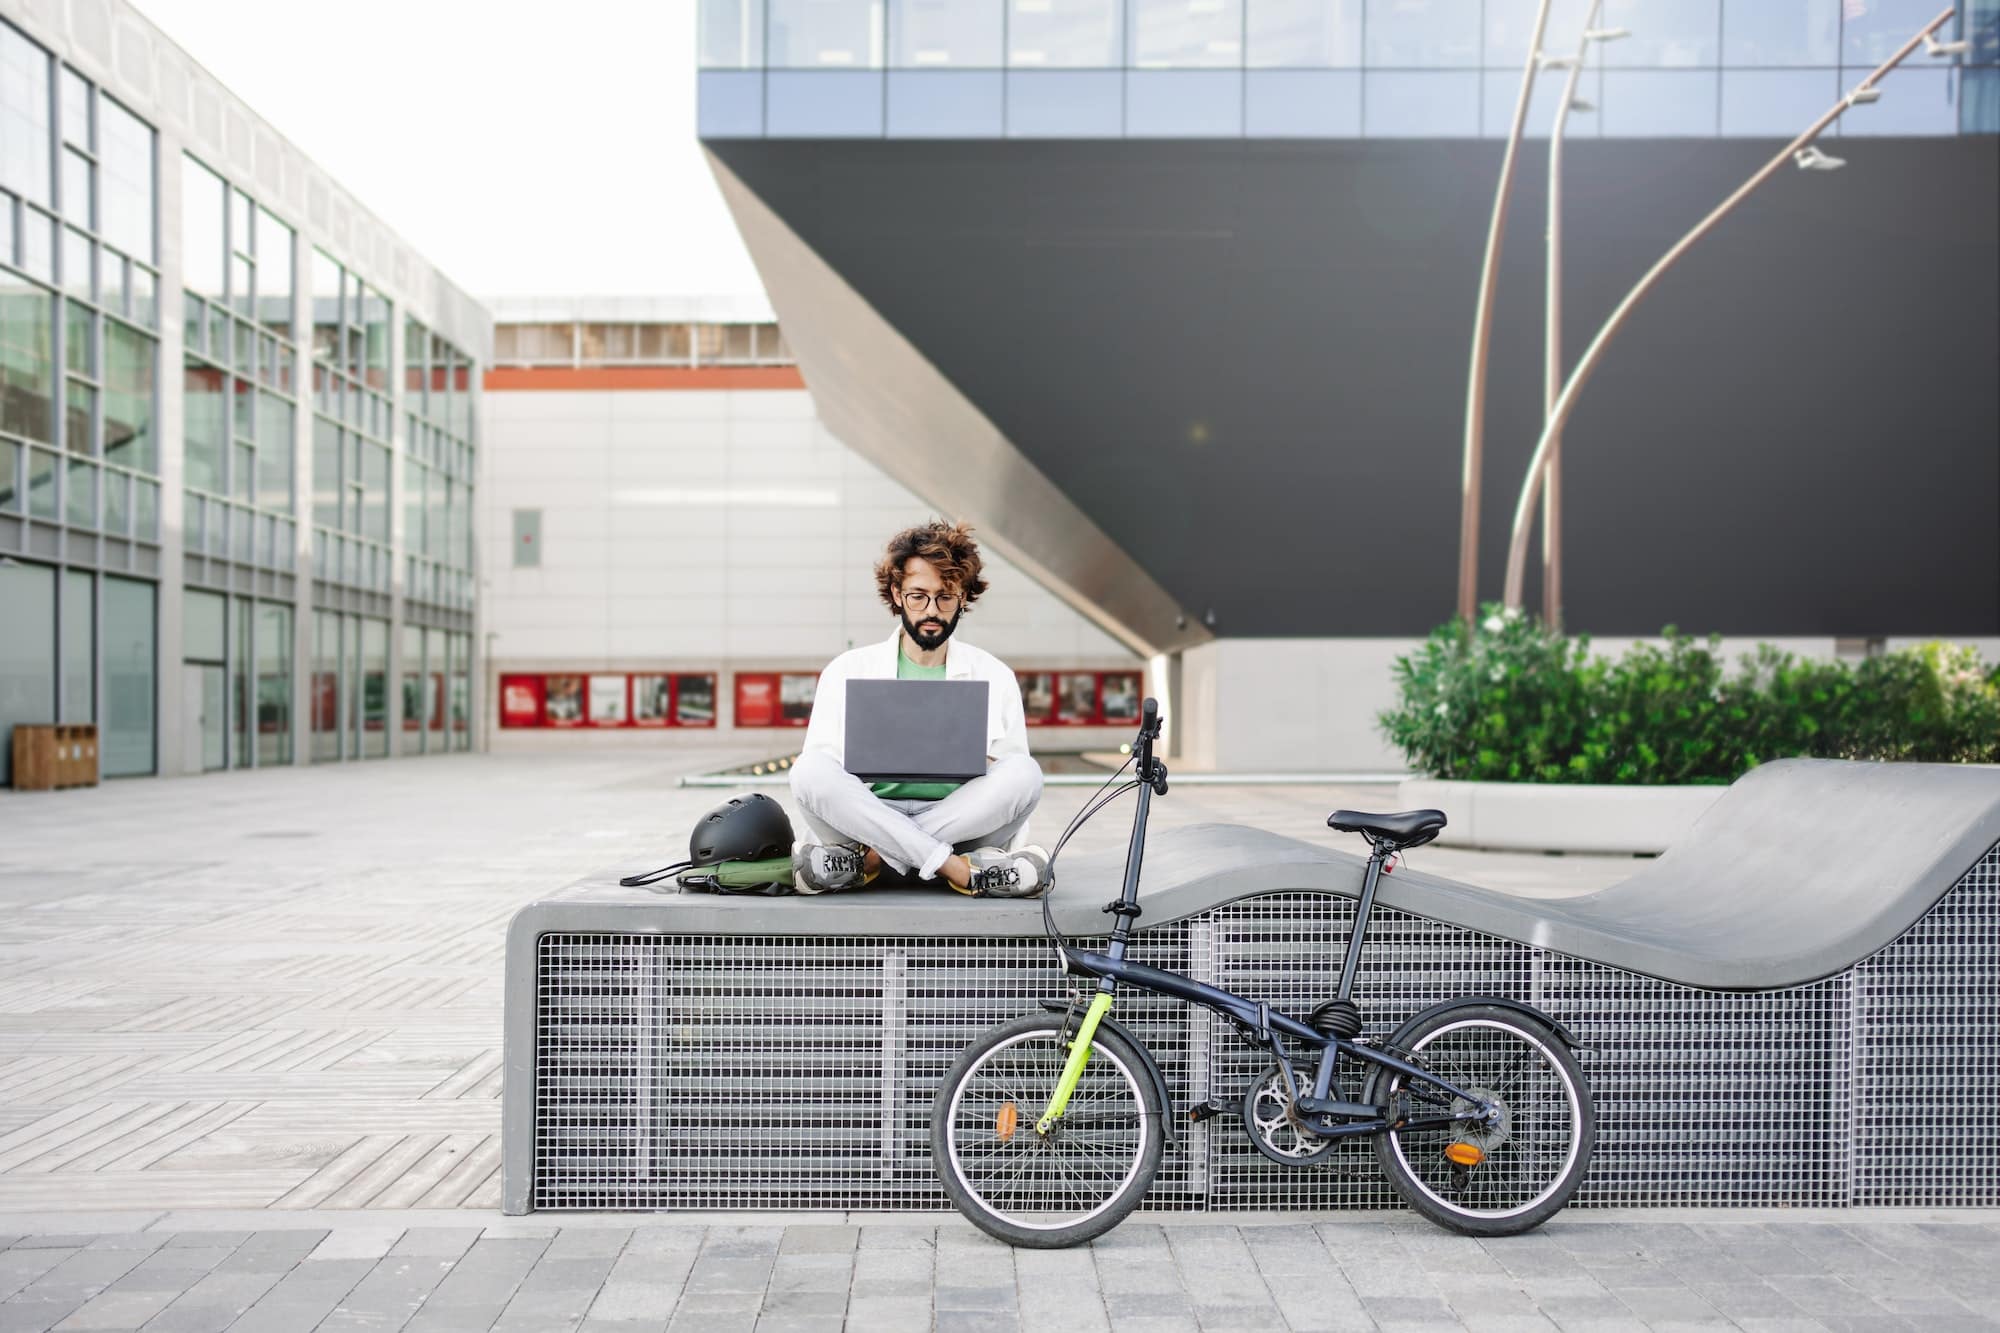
x=1511, y=701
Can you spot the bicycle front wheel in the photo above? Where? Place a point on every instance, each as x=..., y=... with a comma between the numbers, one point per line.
x=1505, y=1175
x=1074, y=1183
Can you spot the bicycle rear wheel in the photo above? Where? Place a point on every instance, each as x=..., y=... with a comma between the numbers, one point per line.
x=1499, y=1178
x=1055, y=1190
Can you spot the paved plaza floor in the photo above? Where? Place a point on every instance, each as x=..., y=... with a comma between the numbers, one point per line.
x=250, y=1068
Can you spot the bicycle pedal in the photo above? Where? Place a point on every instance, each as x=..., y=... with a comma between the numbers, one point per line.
x=1206, y=1111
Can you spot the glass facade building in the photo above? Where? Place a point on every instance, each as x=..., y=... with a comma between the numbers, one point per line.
x=207, y=564
x=1335, y=69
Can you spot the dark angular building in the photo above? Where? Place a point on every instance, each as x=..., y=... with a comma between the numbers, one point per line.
x=1175, y=297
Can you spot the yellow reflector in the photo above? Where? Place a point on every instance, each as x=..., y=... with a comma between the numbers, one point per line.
x=1465, y=1154
x=1005, y=1122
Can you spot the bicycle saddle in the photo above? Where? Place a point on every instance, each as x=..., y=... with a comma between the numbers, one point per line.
x=1408, y=828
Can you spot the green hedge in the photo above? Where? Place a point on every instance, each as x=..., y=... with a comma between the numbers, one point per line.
x=1514, y=702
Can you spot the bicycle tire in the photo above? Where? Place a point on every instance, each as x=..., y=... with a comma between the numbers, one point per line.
x=1094, y=1167
x=1532, y=1160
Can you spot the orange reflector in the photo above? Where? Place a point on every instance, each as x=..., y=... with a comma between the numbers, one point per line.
x=1004, y=1123
x=1465, y=1154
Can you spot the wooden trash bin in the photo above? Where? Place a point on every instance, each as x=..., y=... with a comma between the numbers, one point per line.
x=47, y=757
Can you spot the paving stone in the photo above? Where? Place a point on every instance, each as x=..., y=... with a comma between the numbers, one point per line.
x=117, y=1309
x=1392, y=1311
x=974, y=1298
x=33, y=1315
x=977, y=1321
x=589, y=1242
x=791, y=1273
x=664, y=1241
x=1239, y=1319
x=914, y=1316
x=820, y=1240
x=20, y=1267
x=894, y=1236
x=724, y=1275
x=435, y=1242
x=208, y=1240
x=634, y=1301
x=1326, y=1308
x=129, y=1240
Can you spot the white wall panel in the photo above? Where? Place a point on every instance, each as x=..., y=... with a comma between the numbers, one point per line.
x=681, y=531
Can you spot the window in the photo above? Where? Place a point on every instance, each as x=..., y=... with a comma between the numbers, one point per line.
x=129, y=677
x=527, y=538
x=351, y=411
x=1304, y=33
x=825, y=34
x=1177, y=34
x=1054, y=34
x=732, y=34
x=238, y=410
x=945, y=34
x=27, y=650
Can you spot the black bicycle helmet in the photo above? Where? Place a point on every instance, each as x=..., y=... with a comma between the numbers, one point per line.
x=743, y=828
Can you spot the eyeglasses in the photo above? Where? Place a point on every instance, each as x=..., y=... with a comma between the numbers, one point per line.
x=919, y=602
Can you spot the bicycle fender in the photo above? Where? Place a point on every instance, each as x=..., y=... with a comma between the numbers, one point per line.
x=1564, y=1034
x=1153, y=1072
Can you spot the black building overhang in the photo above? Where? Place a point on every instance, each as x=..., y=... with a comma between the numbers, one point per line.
x=1222, y=382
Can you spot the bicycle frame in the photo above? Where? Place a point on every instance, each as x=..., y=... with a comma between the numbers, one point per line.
x=1260, y=1024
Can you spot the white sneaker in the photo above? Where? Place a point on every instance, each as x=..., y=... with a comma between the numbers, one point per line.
x=830, y=868
x=998, y=873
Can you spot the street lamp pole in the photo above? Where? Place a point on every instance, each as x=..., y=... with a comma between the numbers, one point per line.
x=1524, y=511
x=1552, y=322
x=1482, y=331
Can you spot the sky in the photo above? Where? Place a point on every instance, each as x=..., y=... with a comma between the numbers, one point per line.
x=526, y=149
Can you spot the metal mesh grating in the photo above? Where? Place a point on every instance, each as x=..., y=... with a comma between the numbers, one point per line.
x=691, y=1071
x=1927, y=1054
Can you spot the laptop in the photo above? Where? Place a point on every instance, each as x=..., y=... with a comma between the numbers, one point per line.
x=916, y=730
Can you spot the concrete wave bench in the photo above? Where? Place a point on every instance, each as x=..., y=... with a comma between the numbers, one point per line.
x=1798, y=1005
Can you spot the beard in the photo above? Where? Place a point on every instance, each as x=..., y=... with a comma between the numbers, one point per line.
x=930, y=632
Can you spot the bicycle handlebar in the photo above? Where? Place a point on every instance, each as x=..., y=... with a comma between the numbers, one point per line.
x=1151, y=770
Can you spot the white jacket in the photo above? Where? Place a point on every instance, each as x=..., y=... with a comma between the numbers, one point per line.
x=1006, y=727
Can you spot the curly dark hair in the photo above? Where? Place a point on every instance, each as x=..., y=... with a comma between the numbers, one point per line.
x=949, y=546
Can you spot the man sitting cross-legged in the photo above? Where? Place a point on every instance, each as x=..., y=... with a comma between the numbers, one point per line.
x=963, y=833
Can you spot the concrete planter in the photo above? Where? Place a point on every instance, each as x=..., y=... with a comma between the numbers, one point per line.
x=1556, y=817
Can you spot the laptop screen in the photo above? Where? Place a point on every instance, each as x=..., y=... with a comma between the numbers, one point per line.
x=916, y=730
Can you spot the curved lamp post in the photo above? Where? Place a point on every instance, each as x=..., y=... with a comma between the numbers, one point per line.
x=1552, y=318
x=1482, y=331
x=1808, y=157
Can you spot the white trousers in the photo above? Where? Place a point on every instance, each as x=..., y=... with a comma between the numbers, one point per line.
x=917, y=835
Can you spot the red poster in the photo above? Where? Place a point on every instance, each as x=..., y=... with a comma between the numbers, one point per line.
x=756, y=700
x=437, y=700
x=520, y=701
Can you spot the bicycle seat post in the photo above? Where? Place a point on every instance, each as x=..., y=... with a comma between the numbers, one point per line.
x=1376, y=859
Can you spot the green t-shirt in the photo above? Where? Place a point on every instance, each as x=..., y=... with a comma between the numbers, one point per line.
x=914, y=791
